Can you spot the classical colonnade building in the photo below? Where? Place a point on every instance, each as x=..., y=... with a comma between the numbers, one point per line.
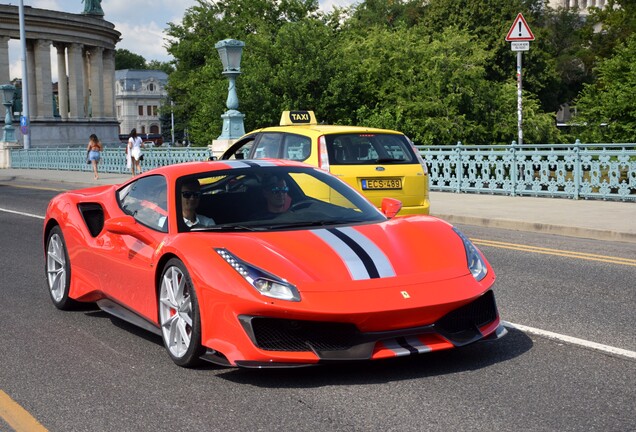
x=85, y=49
x=583, y=5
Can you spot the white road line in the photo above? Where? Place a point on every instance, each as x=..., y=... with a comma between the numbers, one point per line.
x=21, y=213
x=572, y=340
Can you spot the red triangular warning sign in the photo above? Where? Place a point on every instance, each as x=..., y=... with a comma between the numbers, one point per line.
x=520, y=31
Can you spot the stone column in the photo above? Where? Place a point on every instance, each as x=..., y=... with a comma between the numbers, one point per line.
x=97, y=81
x=109, y=84
x=5, y=75
x=62, y=81
x=30, y=59
x=43, y=79
x=76, y=81
x=88, y=110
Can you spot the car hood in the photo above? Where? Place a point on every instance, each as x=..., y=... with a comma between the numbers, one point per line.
x=406, y=250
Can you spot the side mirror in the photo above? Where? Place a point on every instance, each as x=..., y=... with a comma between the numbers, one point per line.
x=391, y=207
x=127, y=225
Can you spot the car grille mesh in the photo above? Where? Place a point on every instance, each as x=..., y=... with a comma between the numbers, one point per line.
x=473, y=315
x=289, y=335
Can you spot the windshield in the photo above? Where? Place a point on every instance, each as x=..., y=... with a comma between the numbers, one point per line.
x=268, y=198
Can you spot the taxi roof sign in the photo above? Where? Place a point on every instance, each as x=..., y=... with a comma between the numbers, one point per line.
x=296, y=118
x=520, y=31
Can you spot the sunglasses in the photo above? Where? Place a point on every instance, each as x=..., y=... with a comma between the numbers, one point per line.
x=277, y=189
x=188, y=194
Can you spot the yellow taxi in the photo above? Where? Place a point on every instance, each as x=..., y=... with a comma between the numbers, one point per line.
x=378, y=162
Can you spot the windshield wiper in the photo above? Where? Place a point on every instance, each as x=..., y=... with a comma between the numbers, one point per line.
x=312, y=223
x=229, y=227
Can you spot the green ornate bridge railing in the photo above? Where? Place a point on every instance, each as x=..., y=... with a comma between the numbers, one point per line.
x=113, y=158
x=591, y=171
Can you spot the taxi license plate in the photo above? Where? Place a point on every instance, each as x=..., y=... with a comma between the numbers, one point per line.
x=394, y=183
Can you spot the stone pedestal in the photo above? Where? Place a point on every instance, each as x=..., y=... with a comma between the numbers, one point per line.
x=70, y=133
x=232, y=125
x=5, y=147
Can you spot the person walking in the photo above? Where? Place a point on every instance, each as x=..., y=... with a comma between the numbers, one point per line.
x=134, y=152
x=94, y=151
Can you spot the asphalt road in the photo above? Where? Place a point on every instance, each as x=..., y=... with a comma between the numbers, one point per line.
x=86, y=371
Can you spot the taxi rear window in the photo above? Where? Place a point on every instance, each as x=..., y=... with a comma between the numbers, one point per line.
x=369, y=148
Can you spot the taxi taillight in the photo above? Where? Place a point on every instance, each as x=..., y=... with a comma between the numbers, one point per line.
x=323, y=156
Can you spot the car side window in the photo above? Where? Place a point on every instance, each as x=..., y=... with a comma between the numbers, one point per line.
x=268, y=146
x=145, y=200
x=297, y=147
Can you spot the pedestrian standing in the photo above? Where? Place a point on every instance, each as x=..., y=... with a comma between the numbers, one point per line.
x=94, y=153
x=134, y=152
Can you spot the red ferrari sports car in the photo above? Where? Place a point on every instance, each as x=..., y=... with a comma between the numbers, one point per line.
x=266, y=263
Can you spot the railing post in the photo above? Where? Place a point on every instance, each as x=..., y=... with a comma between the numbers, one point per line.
x=578, y=172
x=459, y=168
x=513, y=169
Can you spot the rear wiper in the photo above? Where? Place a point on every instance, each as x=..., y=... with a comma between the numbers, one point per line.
x=385, y=160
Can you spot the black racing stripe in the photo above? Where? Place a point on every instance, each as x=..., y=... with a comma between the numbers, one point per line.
x=358, y=250
x=404, y=344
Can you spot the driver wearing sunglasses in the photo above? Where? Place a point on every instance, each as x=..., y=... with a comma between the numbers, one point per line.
x=276, y=194
x=190, y=198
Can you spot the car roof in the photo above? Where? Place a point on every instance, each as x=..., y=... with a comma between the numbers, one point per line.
x=324, y=129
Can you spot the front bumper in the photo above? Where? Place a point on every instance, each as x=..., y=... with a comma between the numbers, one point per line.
x=288, y=342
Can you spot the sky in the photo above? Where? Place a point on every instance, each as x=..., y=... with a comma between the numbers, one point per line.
x=141, y=23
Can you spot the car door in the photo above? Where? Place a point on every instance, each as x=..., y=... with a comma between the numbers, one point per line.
x=127, y=261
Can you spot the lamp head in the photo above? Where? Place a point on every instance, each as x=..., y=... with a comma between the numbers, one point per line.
x=230, y=51
x=8, y=92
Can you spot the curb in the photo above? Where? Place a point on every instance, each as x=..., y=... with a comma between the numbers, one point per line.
x=539, y=227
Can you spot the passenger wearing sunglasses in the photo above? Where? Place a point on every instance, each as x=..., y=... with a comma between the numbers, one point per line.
x=276, y=195
x=190, y=198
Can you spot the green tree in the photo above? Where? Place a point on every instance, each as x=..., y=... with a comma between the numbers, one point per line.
x=607, y=107
x=125, y=59
x=166, y=67
x=199, y=89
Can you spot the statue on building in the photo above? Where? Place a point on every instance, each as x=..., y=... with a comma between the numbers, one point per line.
x=93, y=7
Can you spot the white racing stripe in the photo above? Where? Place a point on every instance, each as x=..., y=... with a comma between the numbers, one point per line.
x=352, y=261
x=21, y=213
x=572, y=340
x=382, y=263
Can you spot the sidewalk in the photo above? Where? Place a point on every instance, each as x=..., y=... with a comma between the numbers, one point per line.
x=594, y=219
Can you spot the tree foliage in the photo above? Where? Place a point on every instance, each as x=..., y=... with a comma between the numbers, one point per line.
x=125, y=59
x=438, y=70
x=608, y=107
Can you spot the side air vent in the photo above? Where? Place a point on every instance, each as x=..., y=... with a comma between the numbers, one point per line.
x=93, y=215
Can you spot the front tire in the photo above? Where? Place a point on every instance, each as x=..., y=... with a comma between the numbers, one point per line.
x=179, y=315
x=58, y=270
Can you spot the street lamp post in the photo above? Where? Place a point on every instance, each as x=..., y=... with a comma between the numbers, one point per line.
x=230, y=51
x=8, y=91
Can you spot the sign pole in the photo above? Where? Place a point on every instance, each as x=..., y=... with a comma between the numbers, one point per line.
x=519, y=103
x=24, y=119
x=519, y=37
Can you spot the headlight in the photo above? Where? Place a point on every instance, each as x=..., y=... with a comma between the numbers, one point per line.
x=265, y=283
x=476, y=263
